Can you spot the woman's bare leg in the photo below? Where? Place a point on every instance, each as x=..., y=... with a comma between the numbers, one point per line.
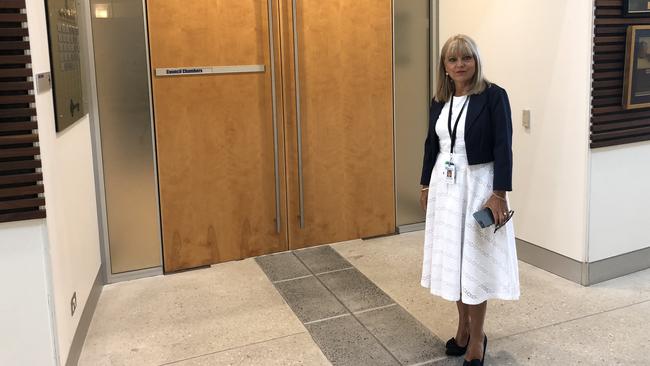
x=477, y=318
x=462, y=333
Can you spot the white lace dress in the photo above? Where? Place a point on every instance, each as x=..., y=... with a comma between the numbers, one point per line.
x=461, y=260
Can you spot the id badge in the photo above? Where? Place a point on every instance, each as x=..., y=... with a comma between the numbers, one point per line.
x=450, y=172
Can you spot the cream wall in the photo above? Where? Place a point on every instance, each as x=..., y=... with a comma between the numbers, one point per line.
x=620, y=200
x=25, y=320
x=72, y=224
x=540, y=52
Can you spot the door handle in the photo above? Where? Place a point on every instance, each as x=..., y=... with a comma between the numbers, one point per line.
x=296, y=70
x=276, y=163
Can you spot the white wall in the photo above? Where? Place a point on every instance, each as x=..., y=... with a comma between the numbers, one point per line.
x=620, y=201
x=25, y=320
x=68, y=177
x=540, y=52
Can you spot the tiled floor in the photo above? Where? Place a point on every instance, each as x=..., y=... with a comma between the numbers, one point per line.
x=351, y=319
x=233, y=314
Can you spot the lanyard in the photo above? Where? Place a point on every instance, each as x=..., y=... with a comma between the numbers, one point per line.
x=452, y=133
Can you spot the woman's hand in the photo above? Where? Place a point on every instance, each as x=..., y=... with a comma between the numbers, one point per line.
x=424, y=197
x=499, y=206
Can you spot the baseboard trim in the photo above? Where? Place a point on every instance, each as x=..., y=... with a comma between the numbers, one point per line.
x=621, y=265
x=84, y=321
x=134, y=275
x=410, y=227
x=549, y=261
x=586, y=274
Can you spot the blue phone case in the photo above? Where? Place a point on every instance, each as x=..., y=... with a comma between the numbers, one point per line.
x=484, y=217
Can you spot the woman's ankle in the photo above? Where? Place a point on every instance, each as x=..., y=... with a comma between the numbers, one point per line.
x=462, y=336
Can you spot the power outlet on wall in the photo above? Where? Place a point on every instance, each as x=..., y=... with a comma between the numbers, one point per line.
x=73, y=303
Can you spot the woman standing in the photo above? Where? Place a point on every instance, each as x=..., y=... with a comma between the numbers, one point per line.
x=468, y=166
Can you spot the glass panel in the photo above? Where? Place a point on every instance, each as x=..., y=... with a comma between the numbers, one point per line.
x=127, y=144
x=411, y=104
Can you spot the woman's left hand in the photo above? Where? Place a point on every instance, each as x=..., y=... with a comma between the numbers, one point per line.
x=499, y=206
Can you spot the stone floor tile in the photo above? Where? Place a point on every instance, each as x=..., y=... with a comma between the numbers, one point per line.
x=322, y=259
x=404, y=337
x=309, y=299
x=355, y=290
x=346, y=342
x=282, y=266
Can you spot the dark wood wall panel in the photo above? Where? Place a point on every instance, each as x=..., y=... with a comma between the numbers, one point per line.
x=21, y=188
x=611, y=124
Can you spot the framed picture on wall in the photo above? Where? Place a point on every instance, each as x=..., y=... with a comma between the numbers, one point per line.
x=65, y=60
x=636, y=83
x=636, y=8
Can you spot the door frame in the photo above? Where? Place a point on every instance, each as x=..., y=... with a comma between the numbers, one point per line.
x=107, y=274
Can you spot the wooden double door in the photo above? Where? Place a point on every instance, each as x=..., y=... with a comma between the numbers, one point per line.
x=274, y=125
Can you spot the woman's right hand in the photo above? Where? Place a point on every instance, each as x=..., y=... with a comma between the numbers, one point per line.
x=424, y=197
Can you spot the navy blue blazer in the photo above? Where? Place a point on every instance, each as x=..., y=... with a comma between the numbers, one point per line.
x=488, y=136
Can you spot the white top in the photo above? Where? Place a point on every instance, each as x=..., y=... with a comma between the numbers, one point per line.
x=443, y=131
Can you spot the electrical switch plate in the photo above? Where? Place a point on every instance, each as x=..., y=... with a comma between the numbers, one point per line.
x=73, y=303
x=43, y=82
x=525, y=120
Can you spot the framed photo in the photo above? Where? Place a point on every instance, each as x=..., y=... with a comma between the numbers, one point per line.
x=636, y=83
x=636, y=8
x=65, y=61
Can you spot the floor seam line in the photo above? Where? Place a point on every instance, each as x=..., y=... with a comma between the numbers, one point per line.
x=325, y=319
x=291, y=279
x=373, y=309
x=232, y=348
x=429, y=361
x=333, y=271
x=571, y=320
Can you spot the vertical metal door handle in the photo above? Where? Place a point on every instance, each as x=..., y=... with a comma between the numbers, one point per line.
x=275, y=119
x=298, y=119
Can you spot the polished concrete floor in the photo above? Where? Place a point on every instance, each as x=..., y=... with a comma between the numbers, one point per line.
x=256, y=312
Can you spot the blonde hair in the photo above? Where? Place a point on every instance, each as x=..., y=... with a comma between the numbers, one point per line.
x=461, y=45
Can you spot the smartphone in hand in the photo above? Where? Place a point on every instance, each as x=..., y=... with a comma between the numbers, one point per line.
x=484, y=217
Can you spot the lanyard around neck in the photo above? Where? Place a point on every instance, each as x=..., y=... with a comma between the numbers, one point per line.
x=452, y=133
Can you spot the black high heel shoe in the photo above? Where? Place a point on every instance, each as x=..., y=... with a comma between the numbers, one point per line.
x=454, y=349
x=476, y=361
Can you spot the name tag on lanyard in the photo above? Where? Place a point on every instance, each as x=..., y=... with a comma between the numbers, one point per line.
x=450, y=172
x=450, y=168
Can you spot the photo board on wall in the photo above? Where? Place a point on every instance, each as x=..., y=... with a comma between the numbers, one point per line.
x=65, y=61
